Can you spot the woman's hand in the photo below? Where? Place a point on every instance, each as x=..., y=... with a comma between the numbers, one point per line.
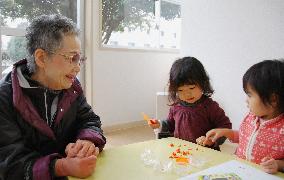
x=76, y=167
x=82, y=148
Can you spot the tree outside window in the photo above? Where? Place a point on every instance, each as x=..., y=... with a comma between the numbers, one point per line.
x=138, y=24
x=15, y=16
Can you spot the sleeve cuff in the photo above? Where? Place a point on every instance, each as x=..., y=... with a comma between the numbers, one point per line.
x=41, y=167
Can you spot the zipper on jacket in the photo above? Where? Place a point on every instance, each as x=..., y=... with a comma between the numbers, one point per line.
x=45, y=104
x=53, y=109
x=251, y=141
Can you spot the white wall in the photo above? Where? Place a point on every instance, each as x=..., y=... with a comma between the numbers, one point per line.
x=228, y=36
x=124, y=83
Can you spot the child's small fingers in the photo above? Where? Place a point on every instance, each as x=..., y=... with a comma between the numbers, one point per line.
x=200, y=140
x=265, y=169
x=207, y=142
x=269, y=169
x=151, y=125
x=265, y=159
x=153, y=121
x=207, y=139
x=264, y=164
x=155, y=125
x=213, y=138
x=210, y=133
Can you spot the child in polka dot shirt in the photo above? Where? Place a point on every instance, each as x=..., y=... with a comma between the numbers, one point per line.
x=261, y=134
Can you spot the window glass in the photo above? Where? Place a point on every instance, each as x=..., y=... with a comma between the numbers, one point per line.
x=15, y=16
x=136, y=24
x=170, y=24
x=13, y=48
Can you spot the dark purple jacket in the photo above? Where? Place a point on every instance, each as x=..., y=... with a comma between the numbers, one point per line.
x=28, y=144
x=188, y=122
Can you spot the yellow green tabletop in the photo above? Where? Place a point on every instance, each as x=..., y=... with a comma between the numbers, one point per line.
x=124, y=162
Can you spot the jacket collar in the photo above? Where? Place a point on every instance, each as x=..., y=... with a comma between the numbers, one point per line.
x=25, y=107
x=266, y=122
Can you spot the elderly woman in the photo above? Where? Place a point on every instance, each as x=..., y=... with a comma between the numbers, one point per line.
x=47, y=129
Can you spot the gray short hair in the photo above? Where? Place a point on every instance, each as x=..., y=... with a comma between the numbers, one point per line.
x=46, y=32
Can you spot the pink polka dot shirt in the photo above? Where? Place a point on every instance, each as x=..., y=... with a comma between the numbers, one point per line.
x=259, y=138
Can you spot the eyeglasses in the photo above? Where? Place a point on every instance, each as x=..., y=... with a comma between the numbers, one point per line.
x=75, y=59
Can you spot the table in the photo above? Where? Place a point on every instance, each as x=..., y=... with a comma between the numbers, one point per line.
x=124, y=162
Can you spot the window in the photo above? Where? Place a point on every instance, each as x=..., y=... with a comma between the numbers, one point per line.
x=136, y=24
x=15, y=16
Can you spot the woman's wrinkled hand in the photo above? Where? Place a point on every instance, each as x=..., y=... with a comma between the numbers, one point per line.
x=81, y=148
x=76, y=167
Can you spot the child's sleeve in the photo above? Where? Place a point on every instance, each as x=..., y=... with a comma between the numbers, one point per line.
x=218, y=117
x=168, y=125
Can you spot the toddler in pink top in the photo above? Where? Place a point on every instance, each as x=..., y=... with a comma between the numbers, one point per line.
x=261, y=134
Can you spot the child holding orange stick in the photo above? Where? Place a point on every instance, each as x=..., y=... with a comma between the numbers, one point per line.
x=192, y=112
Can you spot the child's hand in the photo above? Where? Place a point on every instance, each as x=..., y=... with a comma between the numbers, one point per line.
x=203, y=141
x=269, y=165
x=215, y=134
x=82, y=148
x=154, y=123
x=200, y=140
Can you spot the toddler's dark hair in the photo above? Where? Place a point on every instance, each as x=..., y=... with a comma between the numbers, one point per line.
x=266, y=78
x=188, y=71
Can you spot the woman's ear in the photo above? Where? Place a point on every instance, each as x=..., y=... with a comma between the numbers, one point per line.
x=40, y=56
